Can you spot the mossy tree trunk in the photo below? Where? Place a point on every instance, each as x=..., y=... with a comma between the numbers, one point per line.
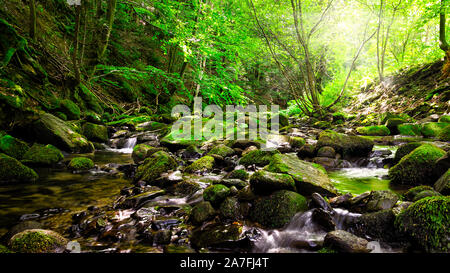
x=76, y=66
x=33, y=18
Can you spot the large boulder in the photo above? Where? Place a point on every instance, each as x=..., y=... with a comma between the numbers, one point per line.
x=38, y=241
x=11, y=170
x=42, y=155
x=376, y=130
x=417, y=167
x=374, y=201
x=277, y=209
x=13, y=147
x=143, y=151
x=376, y=225
x=95, y=132
x=409, y=129
x=308, y=177
x=152, y=168
x=263, y=182
x=50, y=129
x=405, y=149
x=346, y=145
x=343, y=241
x=427, y=223
x=433, y=129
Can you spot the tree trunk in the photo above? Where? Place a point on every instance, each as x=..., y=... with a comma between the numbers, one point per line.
x=110, y=20
x=33, y=22
x=76, y=67
x=380, y=22
x=443, y=44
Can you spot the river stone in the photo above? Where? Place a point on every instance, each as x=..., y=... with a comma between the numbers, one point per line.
x=427, y=223
x=443, y=184
x=376, y=225
x=40, y=155
x=346, y=145
x=21, y=227
x=95, y=132
x=326, y=151
x=139, y=200
x=308, y=178
x=244, y=144
x=373, y=201
x=343, y=241
x=276, y=210
x=326, y=162
x=215, y=235
x=318, y=201
x=185, y=188
x=216, y=194
x=324, y=219
x=11, y=170
x=152, y=168
x=221, y=150
x=418, y=167
x=230, y=209
x=258, y=157
x=405, y=149
x=426, y=193
x=205, y=163
x=232, y=182
x=50, y=129
x=201, y=212
x=13, y=147
x=38, y=241
x=263, y=182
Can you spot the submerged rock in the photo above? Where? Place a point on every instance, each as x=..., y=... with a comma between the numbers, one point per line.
x=343, y=241
x=417, y=167
x=38, y=241
x=11, y=170
x=427, y=223
x=276, y=210
x=345, y=144
x=308, y=178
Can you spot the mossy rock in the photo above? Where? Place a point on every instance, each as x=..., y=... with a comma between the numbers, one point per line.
x=42, y=155
x=11, y=170
x=411, y=193
x=433, y=129
x=201, y=212
x=346, y=145
x=221, y=150
x=152, y=168
x=70, y=109
x=258, y=157
x=417, y=167
x=307, y=176
x=443, y=184
x=144, y=151
x=13, y=147
x=215, y=235
x=4, y=249
x=205, y=163
x=322, y=124
x=130, y=121
x=376, y=130
x=52, y=130
x=409, y=129
x=238, y=174
x=444, y=134
x=230, y=209
x=216, y=194
x=424, y=194
x=445, y=118
x=263, y=182
x=427, y=223
x=296, y=142
x=88, y=98
x=81, y=163
x=95, y=132
x=405, y=149
x=38, y=241
x=276, y=210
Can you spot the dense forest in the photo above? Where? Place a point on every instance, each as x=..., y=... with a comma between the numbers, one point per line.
x=349, y=99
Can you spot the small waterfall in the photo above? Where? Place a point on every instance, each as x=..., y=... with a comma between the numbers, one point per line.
x=302, y=234
x=127, y=146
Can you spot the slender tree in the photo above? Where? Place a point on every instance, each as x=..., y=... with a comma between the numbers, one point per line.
x=443, y=44
x=33, y=19
x=108, y=27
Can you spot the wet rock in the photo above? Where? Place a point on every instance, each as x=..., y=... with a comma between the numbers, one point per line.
x=308, y=178
x=417, y=167
x=246, y=194
x=152, y=168
x=258, y=157
x=263, y=182
x=201, y=212
x=38, y=241
x=230, y=209
x=185, y=188
x=140, y=199
x=144, y=214
x=276, y=210
x=296, y=142
x=192, y=151
x=346, y=145
x=376, y=226
x=345, y=242
x=326, y=151
x=232, y=182
x=319, y=202
x=244, y=144
x=324, y=219
x=50, y=129
x=221, y=150
x=162, y=237
x=373, y=201
x=307, y=151
x=443, y=184
x=11, y=170
x=326, y=162
x=400, y=207
x=215, y=235
x=205, y=163
x=249, y=149
x=238, y=174
x=426, y=223
x=216, y=194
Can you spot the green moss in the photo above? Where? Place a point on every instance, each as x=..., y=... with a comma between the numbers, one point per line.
x=4, y=249
x=263, y=182
x=13, y=147
x=409, y=129
x=296, y=142
x=239, y=174
x=322, y=124
x=417, y=167
x=205, y=163
x=405, y=149
x=230, y=209
x=444, y=134
x=215, y=194
x=427, y=222
x=411, y=193
x=70, y=109
x=377, y=130
x=346, y=145
x=258, y=157
x=37, y=241
x=140, y=152
x=327, y=250
x=61, y=116
x=95, y=132
x=445, y=118
x=81, y=163
x=47, y=155
x=276, y=210
x=432, y=129
x=221, y=150
x=215, y=235
x=154, y=166
x=133, y=121
x=12, y=170
x=88, y=98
